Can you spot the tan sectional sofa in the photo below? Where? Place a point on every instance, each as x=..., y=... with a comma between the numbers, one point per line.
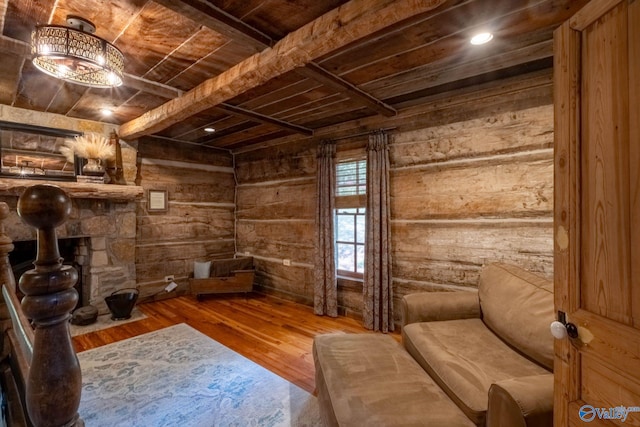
x=469, y=358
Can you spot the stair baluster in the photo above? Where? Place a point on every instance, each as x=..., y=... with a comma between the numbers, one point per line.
x=54, y=383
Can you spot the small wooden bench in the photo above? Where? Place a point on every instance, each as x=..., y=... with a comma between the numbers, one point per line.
x=371, y=380
x=228, y=275
x=240, y=281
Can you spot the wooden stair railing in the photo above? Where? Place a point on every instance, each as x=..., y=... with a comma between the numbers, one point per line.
x=6, y=246
x=54, y=381
x=15, y=356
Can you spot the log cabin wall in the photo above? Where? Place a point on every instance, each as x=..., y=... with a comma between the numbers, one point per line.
x=199, y=222
x=276, y=199
x=471, y=183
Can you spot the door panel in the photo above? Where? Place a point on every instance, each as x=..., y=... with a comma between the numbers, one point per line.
x=605, y=282
x=634, y=158
x=597, y=213
x=607, y=386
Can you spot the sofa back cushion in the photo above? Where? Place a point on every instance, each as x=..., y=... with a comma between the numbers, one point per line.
x=517, y=305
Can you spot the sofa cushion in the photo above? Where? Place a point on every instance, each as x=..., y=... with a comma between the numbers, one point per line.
x=464, y=357
x=370, y=380
x=518, y=306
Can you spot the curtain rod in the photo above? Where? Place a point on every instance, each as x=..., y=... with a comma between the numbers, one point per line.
x=362, y=133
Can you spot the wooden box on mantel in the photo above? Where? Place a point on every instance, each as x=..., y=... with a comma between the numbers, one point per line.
x=227, y=276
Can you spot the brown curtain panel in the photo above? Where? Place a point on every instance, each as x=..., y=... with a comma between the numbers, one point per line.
x=378, y=290
x=325, y=286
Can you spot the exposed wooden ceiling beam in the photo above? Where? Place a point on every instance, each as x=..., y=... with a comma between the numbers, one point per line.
x=151, y=87
x=316, y=72
x=406, y=120
x=213, y=17
x=331, y=31
x=218, y=20
x=239, y=111
x=203, y=12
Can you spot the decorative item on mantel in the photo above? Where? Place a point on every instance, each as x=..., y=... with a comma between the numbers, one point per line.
x=93, y=147
x=115, y=171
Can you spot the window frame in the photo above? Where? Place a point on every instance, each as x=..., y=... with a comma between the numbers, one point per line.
x=359, y=212
x=358, y=202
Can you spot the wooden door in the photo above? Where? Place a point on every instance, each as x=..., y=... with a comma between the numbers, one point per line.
x=597, y=214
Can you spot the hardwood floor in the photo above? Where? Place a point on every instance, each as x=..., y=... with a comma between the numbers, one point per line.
x=274, y=333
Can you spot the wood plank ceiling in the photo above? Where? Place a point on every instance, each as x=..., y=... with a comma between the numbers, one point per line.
x=257, y=70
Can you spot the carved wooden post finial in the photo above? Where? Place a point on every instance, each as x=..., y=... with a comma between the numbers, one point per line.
x=55, y=383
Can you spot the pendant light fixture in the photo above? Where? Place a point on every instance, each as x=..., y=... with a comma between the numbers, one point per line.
x=75, y=55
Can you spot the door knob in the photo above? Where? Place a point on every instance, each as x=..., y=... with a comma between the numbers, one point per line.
x=558, y=330
x=572, y=330
x=561, y=330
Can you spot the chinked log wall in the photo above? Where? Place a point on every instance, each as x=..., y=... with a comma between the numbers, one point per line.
x=199, y=222
x=471, y=183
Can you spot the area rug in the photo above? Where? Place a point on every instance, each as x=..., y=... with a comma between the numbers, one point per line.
x=178, y=376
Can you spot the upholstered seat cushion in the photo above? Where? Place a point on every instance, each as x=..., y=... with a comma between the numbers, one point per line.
x=464, y=357
x=370, y=380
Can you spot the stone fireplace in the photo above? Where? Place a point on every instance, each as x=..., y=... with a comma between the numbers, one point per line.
x=103, y=219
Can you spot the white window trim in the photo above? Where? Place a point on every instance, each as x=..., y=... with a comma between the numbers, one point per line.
x=358, y=201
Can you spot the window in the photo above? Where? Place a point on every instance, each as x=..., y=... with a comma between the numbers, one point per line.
x=351, y=178
x=349, y=219
x=350, y=240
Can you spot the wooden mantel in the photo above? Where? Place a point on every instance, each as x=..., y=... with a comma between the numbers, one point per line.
x=75, y=190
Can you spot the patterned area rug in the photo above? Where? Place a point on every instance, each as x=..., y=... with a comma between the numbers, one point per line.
x=178, y=376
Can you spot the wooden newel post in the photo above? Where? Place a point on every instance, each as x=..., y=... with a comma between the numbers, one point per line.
x=55, y=382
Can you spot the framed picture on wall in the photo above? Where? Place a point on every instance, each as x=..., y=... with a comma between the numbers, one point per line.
x=157, y=201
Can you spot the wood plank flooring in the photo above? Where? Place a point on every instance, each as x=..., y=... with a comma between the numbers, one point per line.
x=274, y=333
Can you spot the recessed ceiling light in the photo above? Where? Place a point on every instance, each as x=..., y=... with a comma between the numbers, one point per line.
x=106, y=112
x=481, y=38
x=210, y=130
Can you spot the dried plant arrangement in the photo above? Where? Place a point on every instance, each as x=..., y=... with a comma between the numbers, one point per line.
x=88, y=146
